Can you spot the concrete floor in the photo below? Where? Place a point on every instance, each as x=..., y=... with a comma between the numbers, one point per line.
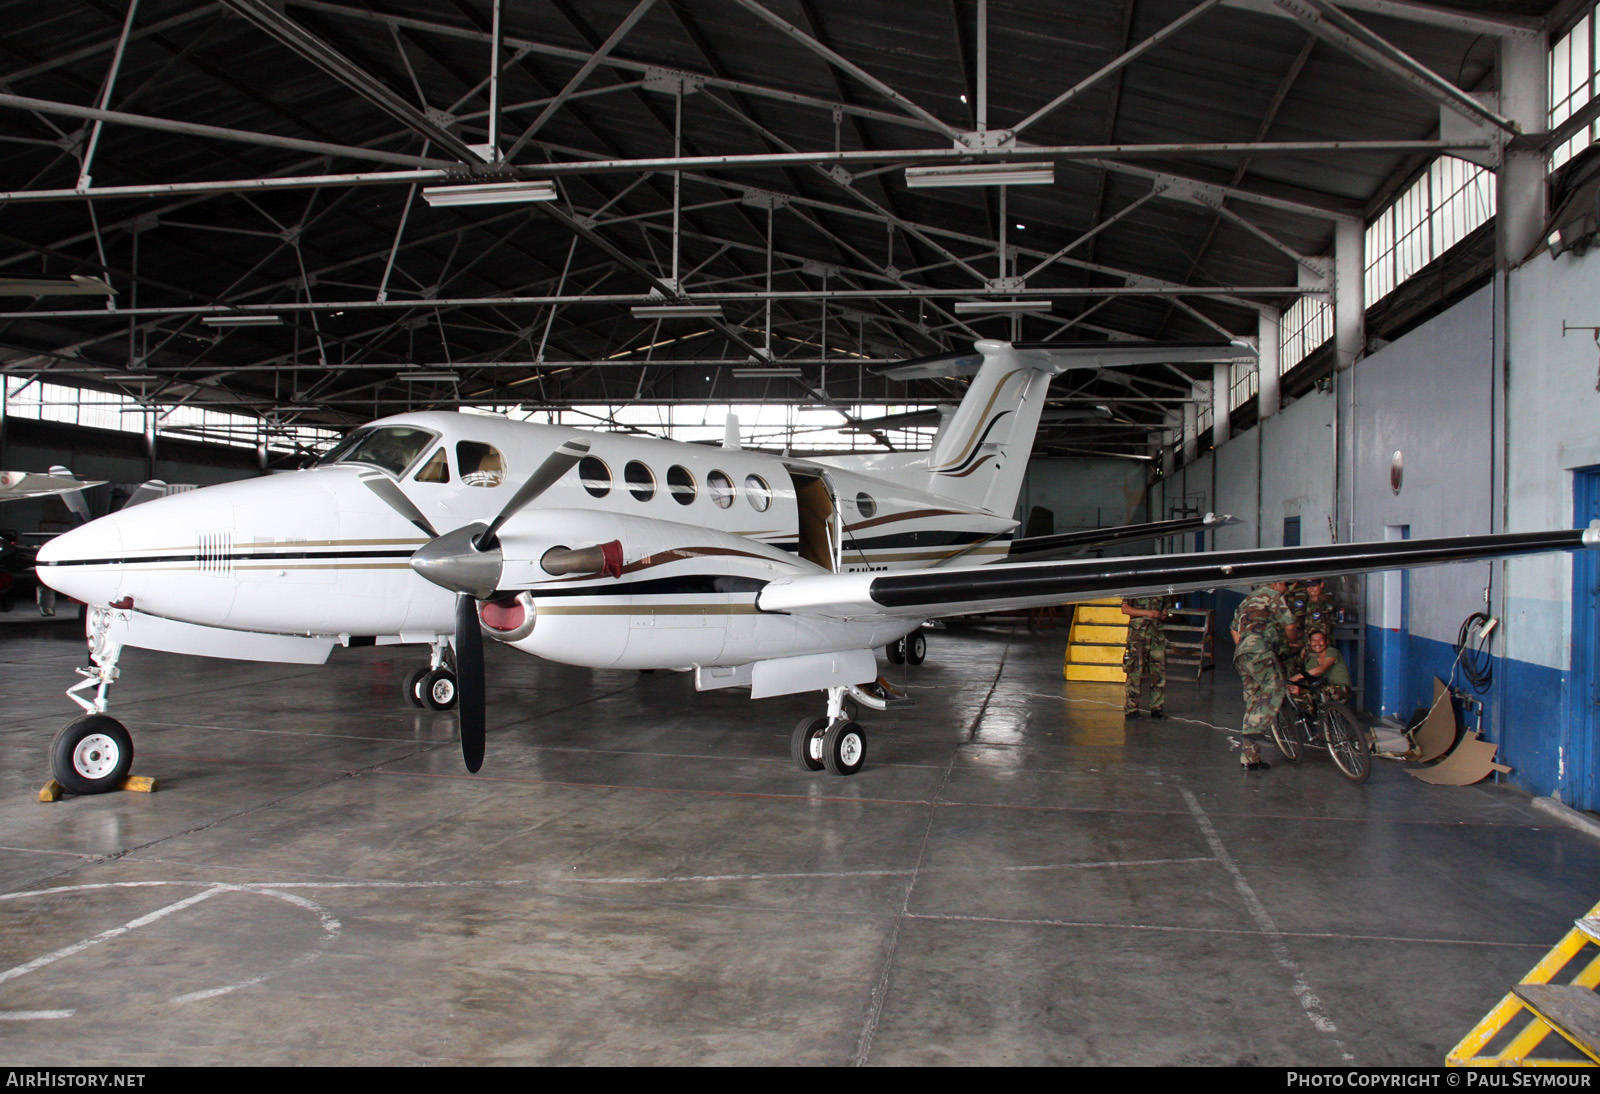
x=640, y=876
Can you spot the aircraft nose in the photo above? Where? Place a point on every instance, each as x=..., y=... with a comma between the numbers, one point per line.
x=85, y=562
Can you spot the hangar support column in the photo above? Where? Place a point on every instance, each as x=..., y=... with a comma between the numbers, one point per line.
x=1221, y=382
x=1268, y=333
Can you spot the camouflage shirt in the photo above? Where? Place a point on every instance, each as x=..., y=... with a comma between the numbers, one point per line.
x=1143, y=628
x=1263, y=618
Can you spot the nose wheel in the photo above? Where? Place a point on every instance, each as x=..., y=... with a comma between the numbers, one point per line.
x=91, y=755
x=434, y=687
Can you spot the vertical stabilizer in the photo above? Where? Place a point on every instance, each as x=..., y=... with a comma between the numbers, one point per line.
x=981, y=452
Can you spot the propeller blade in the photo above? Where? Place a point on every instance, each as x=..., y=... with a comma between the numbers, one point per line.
x=558, y=463
x=469, y=681
x=385, y=488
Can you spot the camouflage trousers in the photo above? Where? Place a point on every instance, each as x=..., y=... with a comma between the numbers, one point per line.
x=1145, y=661
x=1264, y=684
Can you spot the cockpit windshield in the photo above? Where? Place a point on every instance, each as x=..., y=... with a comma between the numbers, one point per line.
x=393, y=447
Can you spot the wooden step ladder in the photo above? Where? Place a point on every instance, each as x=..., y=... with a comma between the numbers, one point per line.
x=1189, y=641
x=1098, y=642
x=1570, y=1009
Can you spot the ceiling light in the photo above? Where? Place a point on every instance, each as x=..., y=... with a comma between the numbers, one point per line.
x=257, y=319
x=981, y=307
x=75, y=285
x=677, y=311
x=489, y=193
x=767, y=373
x=982, y=174
x=426, y=377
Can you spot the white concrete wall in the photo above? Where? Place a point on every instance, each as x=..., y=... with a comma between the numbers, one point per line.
x=1428, y=396
x=1553, y=427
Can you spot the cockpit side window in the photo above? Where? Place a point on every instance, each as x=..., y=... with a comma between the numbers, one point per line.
x=393, y=448
x=437, y=469
x=480, y=464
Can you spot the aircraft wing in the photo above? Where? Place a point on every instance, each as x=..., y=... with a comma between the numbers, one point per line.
x=1040, y=548
x=25, y=484
x=962, y=590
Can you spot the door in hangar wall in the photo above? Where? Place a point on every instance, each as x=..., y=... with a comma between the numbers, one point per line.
x=1580, y=744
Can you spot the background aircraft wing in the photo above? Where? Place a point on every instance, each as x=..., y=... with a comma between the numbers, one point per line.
x=24, y=484
x=959, y=590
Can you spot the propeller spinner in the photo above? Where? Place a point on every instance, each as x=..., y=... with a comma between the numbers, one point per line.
x=468, y=562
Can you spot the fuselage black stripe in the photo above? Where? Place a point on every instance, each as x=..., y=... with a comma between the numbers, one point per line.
x=227, y=558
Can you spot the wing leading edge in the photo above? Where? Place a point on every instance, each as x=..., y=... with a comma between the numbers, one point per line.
x=967, y=589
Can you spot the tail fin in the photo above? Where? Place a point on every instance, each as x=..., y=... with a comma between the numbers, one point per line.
x=980, y=454
x=981, y=451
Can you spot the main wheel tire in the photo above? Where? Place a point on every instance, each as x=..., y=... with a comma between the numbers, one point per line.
x=1286, y=733
x=916, y=648
x=414, y=687
x=439, y=690
x=91, y=755
x=805, y=743
x=844, y=748
x=1347, y=741
x=896, y=651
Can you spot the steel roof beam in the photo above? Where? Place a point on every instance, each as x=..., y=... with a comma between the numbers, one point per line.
x=308, y=46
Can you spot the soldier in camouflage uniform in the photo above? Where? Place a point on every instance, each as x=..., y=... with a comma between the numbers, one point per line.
x=1262, y=625
x=1147, y=653
x=1318, y=612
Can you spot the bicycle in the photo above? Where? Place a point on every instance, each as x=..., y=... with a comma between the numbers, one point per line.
x=1322, y=723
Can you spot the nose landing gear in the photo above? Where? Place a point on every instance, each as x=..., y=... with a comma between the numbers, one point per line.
x=435, y=686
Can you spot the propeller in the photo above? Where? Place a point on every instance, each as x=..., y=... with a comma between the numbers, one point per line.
x=468, y=562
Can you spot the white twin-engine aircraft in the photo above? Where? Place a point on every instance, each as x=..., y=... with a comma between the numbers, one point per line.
x=756, y=571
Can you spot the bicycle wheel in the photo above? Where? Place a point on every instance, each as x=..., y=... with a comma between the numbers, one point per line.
x=1347, y=741
x=1286, y=733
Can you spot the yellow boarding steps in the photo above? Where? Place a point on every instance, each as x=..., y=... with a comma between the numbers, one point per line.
x=1570, y=1009
x=1099, y=640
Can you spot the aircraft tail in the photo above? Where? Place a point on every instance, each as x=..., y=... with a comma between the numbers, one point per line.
x=981, y=452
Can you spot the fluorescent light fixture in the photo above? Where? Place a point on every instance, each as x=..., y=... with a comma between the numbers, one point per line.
x=437, y=377
x=982, y=174
x=767, y=373
x=981, y=307
x=489, y=193
x=75, y=285
x=257, y=319
x=677, y=311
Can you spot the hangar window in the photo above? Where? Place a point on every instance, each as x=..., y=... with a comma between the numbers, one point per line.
x=480, y=464
x=641, y=482
x=1572, y=84
x=437, y=469
x=680, y=484
x=595, y=476
x=757, y=492
x=720, y=487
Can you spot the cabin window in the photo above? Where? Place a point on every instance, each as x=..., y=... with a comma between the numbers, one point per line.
x=720, y=487
x=480, y=464
x=680, y=484
x=757, y=492
x=437, y=469
x=866, y=506
x=393, y=448
x=641, y=482
x=595, y=476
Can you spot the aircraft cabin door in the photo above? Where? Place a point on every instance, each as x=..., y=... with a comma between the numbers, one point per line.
x=821, y=530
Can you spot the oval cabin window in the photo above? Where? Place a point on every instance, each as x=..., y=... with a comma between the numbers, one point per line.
x=595, y=476
x=680, y=484
x=641, y=483
x=720, y=487
x=757, y=492
x=866, y=506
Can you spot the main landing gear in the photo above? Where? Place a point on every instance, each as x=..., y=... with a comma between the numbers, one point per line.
x=435, y=686
x=93, y=754
x=833, y=741
x=910, y=650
